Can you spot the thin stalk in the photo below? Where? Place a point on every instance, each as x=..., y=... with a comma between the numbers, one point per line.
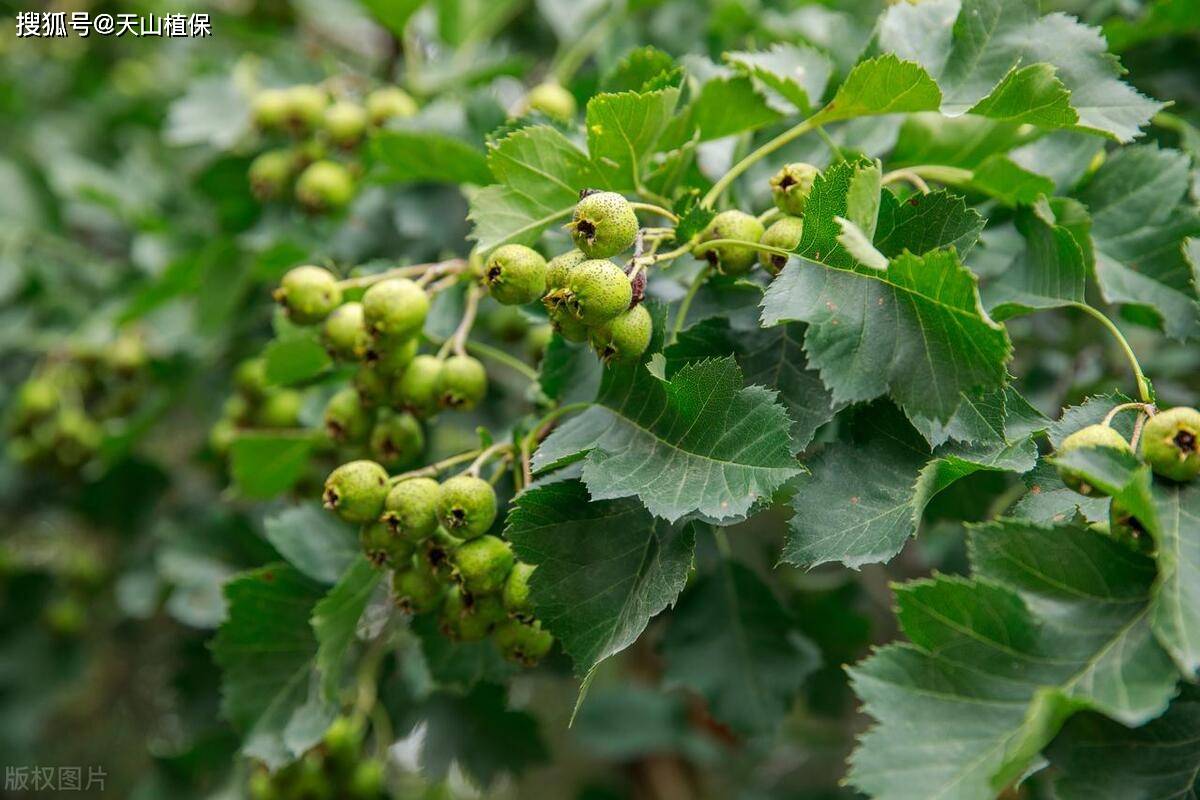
x=770, y=215
x=1142, y=407
x=433, y=469
x=830, y=143
x=686, y=304
x=1142, y=384
x=468, y=320
x=762, y=248
x=485, y=456
x=907, y=175
x=750, y=160
x=538, y=430
x=954, y=176
x=651, y=208
x=396, y=272
x=1137, y=430
x=501, y=357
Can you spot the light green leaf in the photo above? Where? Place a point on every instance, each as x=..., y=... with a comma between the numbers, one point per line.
x=604, y=567
x=724, y=106
x=266, y=464
x=1049, y=273
x=411, y=156
x=1029, y=95
x=882, y=85
x=296, y=358
x=335, y=622
x=791, y=76
x=623, y=130
x=313, y=541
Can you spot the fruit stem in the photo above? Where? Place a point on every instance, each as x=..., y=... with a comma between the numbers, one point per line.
x=762, y=152
x=955, y=176
x=651, y=208
x=538, y=432
x=431, y=470
x=499, y=356
x=681, y=314
x=485, y=456
x=1142, y=384
x=1143, y=407
x=448, y=268
x=401, y=272
x=762, y=248
x=770, y=215
x=1137, y=430
x=458, y=339
x=906, y=175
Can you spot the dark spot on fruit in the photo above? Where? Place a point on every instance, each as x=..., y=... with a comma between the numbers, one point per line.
x=711, y=257
x=586, y=228
x=787, y=182
x=335, y=430
x=377, y=557
x=778, y=261
x=458, y=513
x=392, y=520
x=493, y=273
x=331, y=498
x=1185, y=441
x=269, y=577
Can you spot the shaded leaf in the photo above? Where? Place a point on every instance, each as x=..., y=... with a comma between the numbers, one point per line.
x=313, y=541
x=335, y=622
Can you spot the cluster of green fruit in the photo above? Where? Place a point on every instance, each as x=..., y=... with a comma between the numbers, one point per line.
x=59, y=413
x=255, y=404
x=321, y=128
x=1169, y=443
x=333, y=770
x=434, y=537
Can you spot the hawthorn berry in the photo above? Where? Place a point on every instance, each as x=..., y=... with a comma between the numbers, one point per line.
x=250, y=378
x=356, y=491
x=344, y=123
x=597, y=291
x=382, y=546
x=280, y=408
x=603, y=224
x=342, y=740
x=389, y=102
x=36, y=399
x=367, y=782
x=308, y=294
x=345, y=332
x=436, y=551
x=567, y=326
x=221, y=436
x=624, y=338
x=552, y=100
x=791, y=186
x=417, y=389
x=466, y=617
x=783, y=233
x=397, y=438
x=390, y=356
x=270, y=173
x=462, y=383
x=347, y=420
x=269, y=109
x=1170, y=443
x=525, y=643
x=508, y=324
x=305, y=107
x=516, y=591
x=730, y=259
x=373, y=386
x=558, y=269
x=1091, y=436
x=466, y=506
x=515, y=274
x=416, y=588
x=324, y=186
x=1126, y=528
x=482, y=564
x=77, y=437
x=410, y=509
x=395, y=307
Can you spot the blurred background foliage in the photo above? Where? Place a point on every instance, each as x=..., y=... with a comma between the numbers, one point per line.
x=125, y=215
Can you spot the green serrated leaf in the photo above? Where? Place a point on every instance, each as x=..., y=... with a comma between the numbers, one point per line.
x=638, y=68
x=409, y=156
x=1029, y=95
x=623, y=130
x=881, y=85
x=921, y=223
x=791, y=76
x=313, y=541
x=1049, y=273
x=1177, y=591
x=478, y=732
x=266, y=464
x=297, y=358
x=335, y=620
x=460, y=666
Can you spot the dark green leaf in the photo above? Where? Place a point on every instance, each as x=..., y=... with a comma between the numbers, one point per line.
x=408, y=156
x=335, y=622
x=266, y=464
x=313, y=540
x=480, y=734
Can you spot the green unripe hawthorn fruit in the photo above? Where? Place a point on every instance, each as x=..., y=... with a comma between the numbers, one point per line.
x=516, y=591
x=790, y=187
x=537, y=340
x=559, y=268
x=66, y=616
x=345, y=123
x=515, y=274
x=280, y=408
x=417, y=589
x=1127, y=528
x=603, y=225
x=305, y=107
x=1091, y=436
x=597, y=291
x=269, y=109
x=397, y=438
x=237, y=409
x=462, y=383
x=508, y=324
x=410, y=509
x=437, y=549
x=221, y=436
x=356, y=491
x=345, y=332
x=730, y=259
x=77, y=437
x=324, y=186
x=343, y=740
x=522, y=642
x=783, y=233
x=36, y=399
x=552, y=100
x=250, y=378
x=126, y=355
x=372, y=386
x=346, y=419
x=395, y=307
x=262, y=786
x=270, y=173
x=367, y=780
x=312, y=781
x=390, y=356
x=1170, y=443
x=624, y=338
x=389, y=102
x=567, y=326
x=417, y=389
x=482, y=564
x=383, y=547
x=469, y=618
x=466, y=506
x=308, y=294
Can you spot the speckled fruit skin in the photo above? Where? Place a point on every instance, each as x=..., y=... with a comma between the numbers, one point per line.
x=346, y=419
x=345, y=123
x=730, y=259
x=1091, y=436
x=417, y=588
x=382, y=546
x=270, y=172
x=391, y=355
x=790, y=187
x=783, y=233
x=624, y=338
x=597, y=291
x=558, y=269
x=515, y=275
x=389, y=102
x=522, y=642
x=324, y=186
x=466, y=506
x=356, y=491
x=516, y=591
x=250, y=378
x=410, y=508
x=1170, y=443
x=603, y=225
x=308, y=294
x=397, y=438
x=469, y=618
x=482, y=564
x=462, y=383
x=417, y=388
x=345, y=332
x=552, y=100
x=395, y=307
x=567, y=326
